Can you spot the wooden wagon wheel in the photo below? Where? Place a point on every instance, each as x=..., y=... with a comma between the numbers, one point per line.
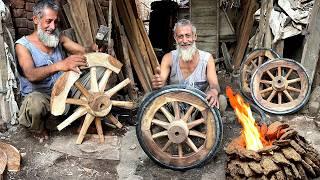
x=280, y=86
x=94, y=102
x=252, y=61
x=177, y=129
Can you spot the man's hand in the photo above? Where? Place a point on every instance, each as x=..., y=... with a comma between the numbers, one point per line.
x=72, y=63
x=157, y=81
x=212, y=98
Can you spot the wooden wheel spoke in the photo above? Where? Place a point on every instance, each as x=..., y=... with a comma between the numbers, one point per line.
x=265, y=82
x=197, y=134
x=288, y=74
x=104, y=80
x=188, y=114
x=160, y=134
x=260, y=60
x=290, y=88
x=288, y=95
x=87, y=121
x=270, y=75
x=114, y=120
x=93, y=80
x=118, y=87
x=195, y=123
x=77, y=113
x=166, y=113
x=123, y=104
x=279, y=98
x=266, y=90
x=192, y=145
x=82, y=89
x=294, y=80
x=271, y=95
x=176, y=110
x=160, y=123
x=165, y=147
x=97, y=121
x=279, y=70
x=254, y=64
x=180, y=151
x=80, y=102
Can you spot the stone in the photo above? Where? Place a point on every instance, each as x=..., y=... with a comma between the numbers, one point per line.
x=29, y=6
x=18, y=13
x=29, y=15
x=314, y=107
x=17, y=4
x=21, y=22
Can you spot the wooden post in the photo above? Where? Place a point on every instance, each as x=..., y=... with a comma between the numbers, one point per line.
x=110, y=27
x=311, y=48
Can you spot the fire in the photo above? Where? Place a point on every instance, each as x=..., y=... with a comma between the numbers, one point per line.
x=250, y=131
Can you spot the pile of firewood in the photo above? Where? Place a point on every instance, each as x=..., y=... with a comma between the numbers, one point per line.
x=289, y=156
x=127, y=40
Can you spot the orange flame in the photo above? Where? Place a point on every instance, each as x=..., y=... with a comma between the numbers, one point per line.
x=243, y=112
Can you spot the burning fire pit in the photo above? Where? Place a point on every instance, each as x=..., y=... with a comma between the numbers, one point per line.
x=273, y=151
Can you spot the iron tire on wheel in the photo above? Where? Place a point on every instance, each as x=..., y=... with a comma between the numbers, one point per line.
x=280, y=86
x=186, y=142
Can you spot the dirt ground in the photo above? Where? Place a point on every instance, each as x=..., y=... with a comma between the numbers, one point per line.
x=40, y=162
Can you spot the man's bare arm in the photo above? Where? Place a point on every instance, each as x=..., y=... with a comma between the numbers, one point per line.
x=214, y=88
x=34, y=74
x=161, y=75
x=75, y=48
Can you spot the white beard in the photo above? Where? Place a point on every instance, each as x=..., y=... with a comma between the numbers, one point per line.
x=186, y=54
x=49, y=40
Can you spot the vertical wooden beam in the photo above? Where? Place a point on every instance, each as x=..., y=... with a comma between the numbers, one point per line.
x=311, y=48
x=92, y=18
x=110, y=27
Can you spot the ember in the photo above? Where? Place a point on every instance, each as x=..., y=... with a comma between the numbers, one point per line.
x=268, y=152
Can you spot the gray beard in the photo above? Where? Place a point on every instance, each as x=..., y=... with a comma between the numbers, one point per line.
x=49, y=40
x=186, y=54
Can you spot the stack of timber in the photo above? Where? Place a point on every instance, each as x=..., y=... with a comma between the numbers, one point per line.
x=127, y=38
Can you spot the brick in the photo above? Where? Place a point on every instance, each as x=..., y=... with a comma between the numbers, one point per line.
x=29, y=6
x=21, y=22
x=23, y=32
x=29, y=15
x=18, y=13
x=18, y=4
x=30, y=25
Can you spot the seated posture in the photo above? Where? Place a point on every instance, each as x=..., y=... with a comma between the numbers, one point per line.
x=41, y=61
x=190, y=66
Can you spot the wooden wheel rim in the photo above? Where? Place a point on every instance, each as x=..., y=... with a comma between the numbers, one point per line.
x=257, y=57
x=155, y=150
x=284, y=94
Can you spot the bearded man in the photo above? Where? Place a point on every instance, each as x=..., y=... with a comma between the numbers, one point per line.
x=41, y=61
x=190, y=66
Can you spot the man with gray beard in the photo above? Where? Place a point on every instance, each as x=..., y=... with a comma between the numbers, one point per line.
x=190, y=66
x=41, y=61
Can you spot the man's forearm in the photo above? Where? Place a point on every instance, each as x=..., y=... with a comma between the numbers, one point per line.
x=41, y=73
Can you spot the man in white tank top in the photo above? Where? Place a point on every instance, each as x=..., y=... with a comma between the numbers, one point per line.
x=189, y=65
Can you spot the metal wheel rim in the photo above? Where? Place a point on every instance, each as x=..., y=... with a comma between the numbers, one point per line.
x=275, y=104
x=161, y=157
x=268, y=55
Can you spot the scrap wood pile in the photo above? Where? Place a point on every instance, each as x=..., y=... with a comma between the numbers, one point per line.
x=289, y=156
x=130, y=43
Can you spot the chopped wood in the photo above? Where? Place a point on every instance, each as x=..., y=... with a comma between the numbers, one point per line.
x=274, y=128
x=256, y=167
x=297, y=147
x=268, y=165
x=237, y=148
x=291, y=154
x=280, y=175
x=309, y=170
x=280, y=159
x=281, y=143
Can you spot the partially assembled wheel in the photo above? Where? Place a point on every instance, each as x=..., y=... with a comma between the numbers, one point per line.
x=177, y=128
x=253, y=61
x=280, y=86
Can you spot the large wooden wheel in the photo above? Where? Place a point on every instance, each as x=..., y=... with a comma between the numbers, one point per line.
x=280, y=86
x=177, y=129
x=95, y=102
x=253, y=61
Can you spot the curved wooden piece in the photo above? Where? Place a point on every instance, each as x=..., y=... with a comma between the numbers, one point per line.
x=103, y=60
x=3, y=162
x=13, y=157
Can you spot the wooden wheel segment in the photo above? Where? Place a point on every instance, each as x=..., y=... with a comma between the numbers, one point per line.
x=95, y=102
x=280, y=86
x=178, y=130
x=253, y=61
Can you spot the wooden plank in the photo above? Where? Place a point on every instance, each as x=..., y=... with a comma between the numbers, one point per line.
x=67, y=11
x=245, y=30
x=110, y=27
x=311, y=48
x=92, y=18
x=99, y=12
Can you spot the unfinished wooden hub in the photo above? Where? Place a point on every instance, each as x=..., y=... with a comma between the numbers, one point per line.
x=253, y=61
x=280, y=86
x=95, y=102
x=177, y=129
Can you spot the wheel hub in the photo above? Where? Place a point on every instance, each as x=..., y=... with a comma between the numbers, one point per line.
x=178, y=131
x=99, y=104
x=279, y=83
